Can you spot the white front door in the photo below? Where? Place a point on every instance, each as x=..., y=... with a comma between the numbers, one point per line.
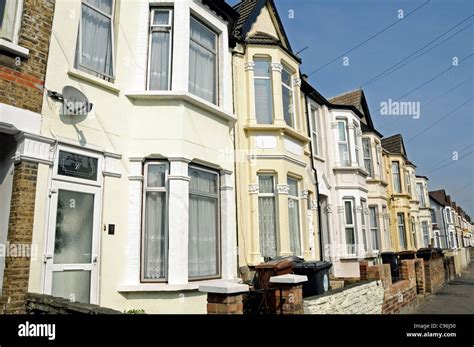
x=72, y=245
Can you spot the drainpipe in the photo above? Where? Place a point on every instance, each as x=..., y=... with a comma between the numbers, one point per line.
x=320, y=239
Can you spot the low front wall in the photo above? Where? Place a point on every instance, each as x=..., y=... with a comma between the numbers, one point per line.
x=365, y=297
x=435, y=275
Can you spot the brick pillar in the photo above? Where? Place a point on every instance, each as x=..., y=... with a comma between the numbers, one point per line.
x=420, y=276
x=408, y=271
x=363, y=265
x=224, y=297
x=289, y=293
x=20, y=232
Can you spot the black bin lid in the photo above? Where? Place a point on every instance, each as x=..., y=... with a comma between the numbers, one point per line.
x=313, y=265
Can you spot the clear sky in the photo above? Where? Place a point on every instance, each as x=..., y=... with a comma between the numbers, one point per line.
x=445, y=126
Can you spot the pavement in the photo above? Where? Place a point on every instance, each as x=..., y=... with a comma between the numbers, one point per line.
x=457, y=297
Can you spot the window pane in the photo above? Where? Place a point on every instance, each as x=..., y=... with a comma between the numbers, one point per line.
x=155, y=248
x=75, y=285
x=265, y=184
x=342, y=131
x=160, y=61
x=293, y=187
x=263, y=101
x=262, y=68
x=96, y=36
x=161, y=18
x=294, y=219
x=202, y=181
x=77, y=165
x=8, y=9
x=348, y=212
x=202, y=72
x=350, y=240
x=203, y=228
x=373, y=217
x=286, y=77
x=201, y=34
x=344, y=154
x=288, y=106
x=267, y=226
x=103, y=5
x=156, y=176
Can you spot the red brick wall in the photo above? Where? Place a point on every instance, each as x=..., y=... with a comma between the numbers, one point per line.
x=435, y=276
x=420, y=276
x=22, y=79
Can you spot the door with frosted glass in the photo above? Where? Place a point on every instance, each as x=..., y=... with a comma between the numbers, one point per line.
x=72, y=246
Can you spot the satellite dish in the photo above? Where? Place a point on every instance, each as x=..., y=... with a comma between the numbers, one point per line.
x=75, y=103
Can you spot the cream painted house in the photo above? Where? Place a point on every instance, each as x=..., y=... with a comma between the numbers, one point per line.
x=136, y=206
x=276, y=199
x=425, y=235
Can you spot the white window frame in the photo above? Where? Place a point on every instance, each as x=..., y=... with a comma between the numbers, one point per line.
x=340, y=142
x=17, y=23
x=374, y=229
x=165, y=190
x=396, y=177
x=274, y=196
x=357, y=143
x=270, y=81
x=363, y=220
x=403, y=245
x=290, y=88
x=437, y=238
x=79, y=56
x=421, y=194
x=350, y=226
x=160, y=28
x=219, y=226
x=426, y=233
x=386, y=230
x=297, y=199
x=216, y=53
x=314, y=122
x=408, y=183
x=370, y=170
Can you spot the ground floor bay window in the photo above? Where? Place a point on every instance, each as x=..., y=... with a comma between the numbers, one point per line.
x=267, y=216
x=203, y=251
x=294, y=216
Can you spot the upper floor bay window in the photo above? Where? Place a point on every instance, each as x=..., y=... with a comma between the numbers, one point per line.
x=267, y=216
x=155, y=225
x=204, y=224
x=95, y=46
x=421, y=194
x=367, y=156
x=397, y=186
x=349, y=226
x=294, y=216
x=160, y=49
x=287, y=92
x=263, y=91
x=203, y=61
x=343, y=143
x=374, y=227
x=401, y=230
x=314, y=119
x=10, y=17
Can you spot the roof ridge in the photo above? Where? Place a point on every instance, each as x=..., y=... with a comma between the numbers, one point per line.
x=345, y=93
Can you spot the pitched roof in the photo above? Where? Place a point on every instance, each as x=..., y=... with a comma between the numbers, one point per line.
x=245, y=10
x=439, y=196
x=394, y=144
x=261, y=38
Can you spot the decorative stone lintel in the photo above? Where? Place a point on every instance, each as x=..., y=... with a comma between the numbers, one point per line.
x=289, y=279
x=254, y=188
x=250, y=66
x=334, y=125
x=112, y=163
x=283, y=189
x=304, y=194
x=340, y=209
x=34, y=148
x=296, y=82
x=277, y=67
x=223, y=287
x=314, y=204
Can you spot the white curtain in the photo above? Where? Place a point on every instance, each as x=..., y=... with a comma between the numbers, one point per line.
x=8, y=10
x=203, y=224
x=96, y=31
x=267, y=225
x=159, y=64
x=202, y=62
x=294, y=218
x=155, y=237
x=263, y=101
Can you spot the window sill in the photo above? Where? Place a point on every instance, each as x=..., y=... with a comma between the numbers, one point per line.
x=185, y=97
x=351, y=169
x=93, y=80
x=317, y=157
x=14, y=48
x=163, y=287
x=284, y=128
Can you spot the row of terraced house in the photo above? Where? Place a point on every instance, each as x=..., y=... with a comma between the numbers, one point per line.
x=201, y=152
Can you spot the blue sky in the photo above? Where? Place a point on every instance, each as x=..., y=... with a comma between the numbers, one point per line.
x=332, y=27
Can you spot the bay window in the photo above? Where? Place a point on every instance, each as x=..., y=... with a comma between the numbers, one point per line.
x=396, y=177
x=401, y=230
x=160, y=49
x=367, y=156
x=95, y=46
x=294, y=216
x=349, y=226
x=426, y=233
x=267, y=216
x=374, y=227
x=263, y=91
x=203, y=62
x=155, y=226
x=421, y=194
x=204, y=224
x=10, y=16
x=343, y=143
x=287, y=92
